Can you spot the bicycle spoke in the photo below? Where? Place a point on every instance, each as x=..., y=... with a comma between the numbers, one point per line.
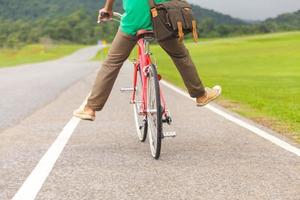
x=140, y=119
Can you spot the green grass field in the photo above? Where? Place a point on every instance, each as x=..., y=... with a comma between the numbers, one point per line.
x=260, y=76
x=35, y=53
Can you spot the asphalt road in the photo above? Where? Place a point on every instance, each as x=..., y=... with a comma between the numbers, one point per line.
x=25, y=88
x=211, y=157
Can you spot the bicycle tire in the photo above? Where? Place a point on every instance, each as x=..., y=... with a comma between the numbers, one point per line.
x=154, y=112
x=140, y=121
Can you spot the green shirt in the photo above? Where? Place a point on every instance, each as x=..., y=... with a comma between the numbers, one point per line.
x=137, y=16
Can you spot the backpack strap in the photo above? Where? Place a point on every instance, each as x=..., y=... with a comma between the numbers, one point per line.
x=180, y=31
x=195, y=32
x=153, y=8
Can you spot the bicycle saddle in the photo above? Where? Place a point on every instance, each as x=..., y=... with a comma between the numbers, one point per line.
x=148, y=35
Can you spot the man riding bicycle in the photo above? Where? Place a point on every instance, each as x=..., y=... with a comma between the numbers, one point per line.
x=137, y=17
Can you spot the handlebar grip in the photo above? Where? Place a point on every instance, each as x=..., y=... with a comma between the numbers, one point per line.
x=104, y=15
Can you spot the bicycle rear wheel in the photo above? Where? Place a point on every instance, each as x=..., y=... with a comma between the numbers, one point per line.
x=154, y=117
x=140, y=119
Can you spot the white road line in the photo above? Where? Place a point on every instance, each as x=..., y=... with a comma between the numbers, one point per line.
x=36, y=179
x=38, y=176
x=252, y=128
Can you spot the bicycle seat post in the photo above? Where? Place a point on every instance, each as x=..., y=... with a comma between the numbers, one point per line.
x=147, y=47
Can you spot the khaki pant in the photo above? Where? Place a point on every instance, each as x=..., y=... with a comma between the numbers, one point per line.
x=118, y=54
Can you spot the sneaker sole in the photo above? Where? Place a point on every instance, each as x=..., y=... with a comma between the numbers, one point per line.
x=85, y=117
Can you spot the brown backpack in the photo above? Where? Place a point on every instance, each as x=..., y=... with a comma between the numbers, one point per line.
x=173, y=19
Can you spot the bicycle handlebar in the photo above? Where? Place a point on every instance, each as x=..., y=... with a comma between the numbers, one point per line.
x=106, y=15
x=116, y=14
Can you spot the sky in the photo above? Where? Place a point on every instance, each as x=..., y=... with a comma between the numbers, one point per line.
x=250, y=9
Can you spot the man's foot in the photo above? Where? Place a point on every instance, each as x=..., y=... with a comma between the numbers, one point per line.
x=85, y=113
x=209, y=96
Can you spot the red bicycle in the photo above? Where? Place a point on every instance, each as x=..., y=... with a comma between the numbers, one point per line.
x=149, y=105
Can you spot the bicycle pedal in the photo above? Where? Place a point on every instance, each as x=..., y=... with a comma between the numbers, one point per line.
x=127, y=89
x=167, y=120
x=169, y=134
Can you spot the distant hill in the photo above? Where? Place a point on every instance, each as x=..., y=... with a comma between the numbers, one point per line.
x=33, y=9
x=33, y=21
x=288, y=21
x=219, y=18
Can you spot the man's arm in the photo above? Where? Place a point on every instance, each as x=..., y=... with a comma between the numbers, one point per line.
x=109, y=5
x=108, y=9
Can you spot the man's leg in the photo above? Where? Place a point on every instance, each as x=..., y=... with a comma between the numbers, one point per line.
x=183, y=61
x=117, y=55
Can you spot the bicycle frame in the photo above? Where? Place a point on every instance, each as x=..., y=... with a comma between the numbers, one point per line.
x=144, y=61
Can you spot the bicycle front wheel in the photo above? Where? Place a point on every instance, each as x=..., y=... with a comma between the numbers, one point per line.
x=154, y=112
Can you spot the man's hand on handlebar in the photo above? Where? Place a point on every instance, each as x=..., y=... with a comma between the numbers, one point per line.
x=104, y=15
